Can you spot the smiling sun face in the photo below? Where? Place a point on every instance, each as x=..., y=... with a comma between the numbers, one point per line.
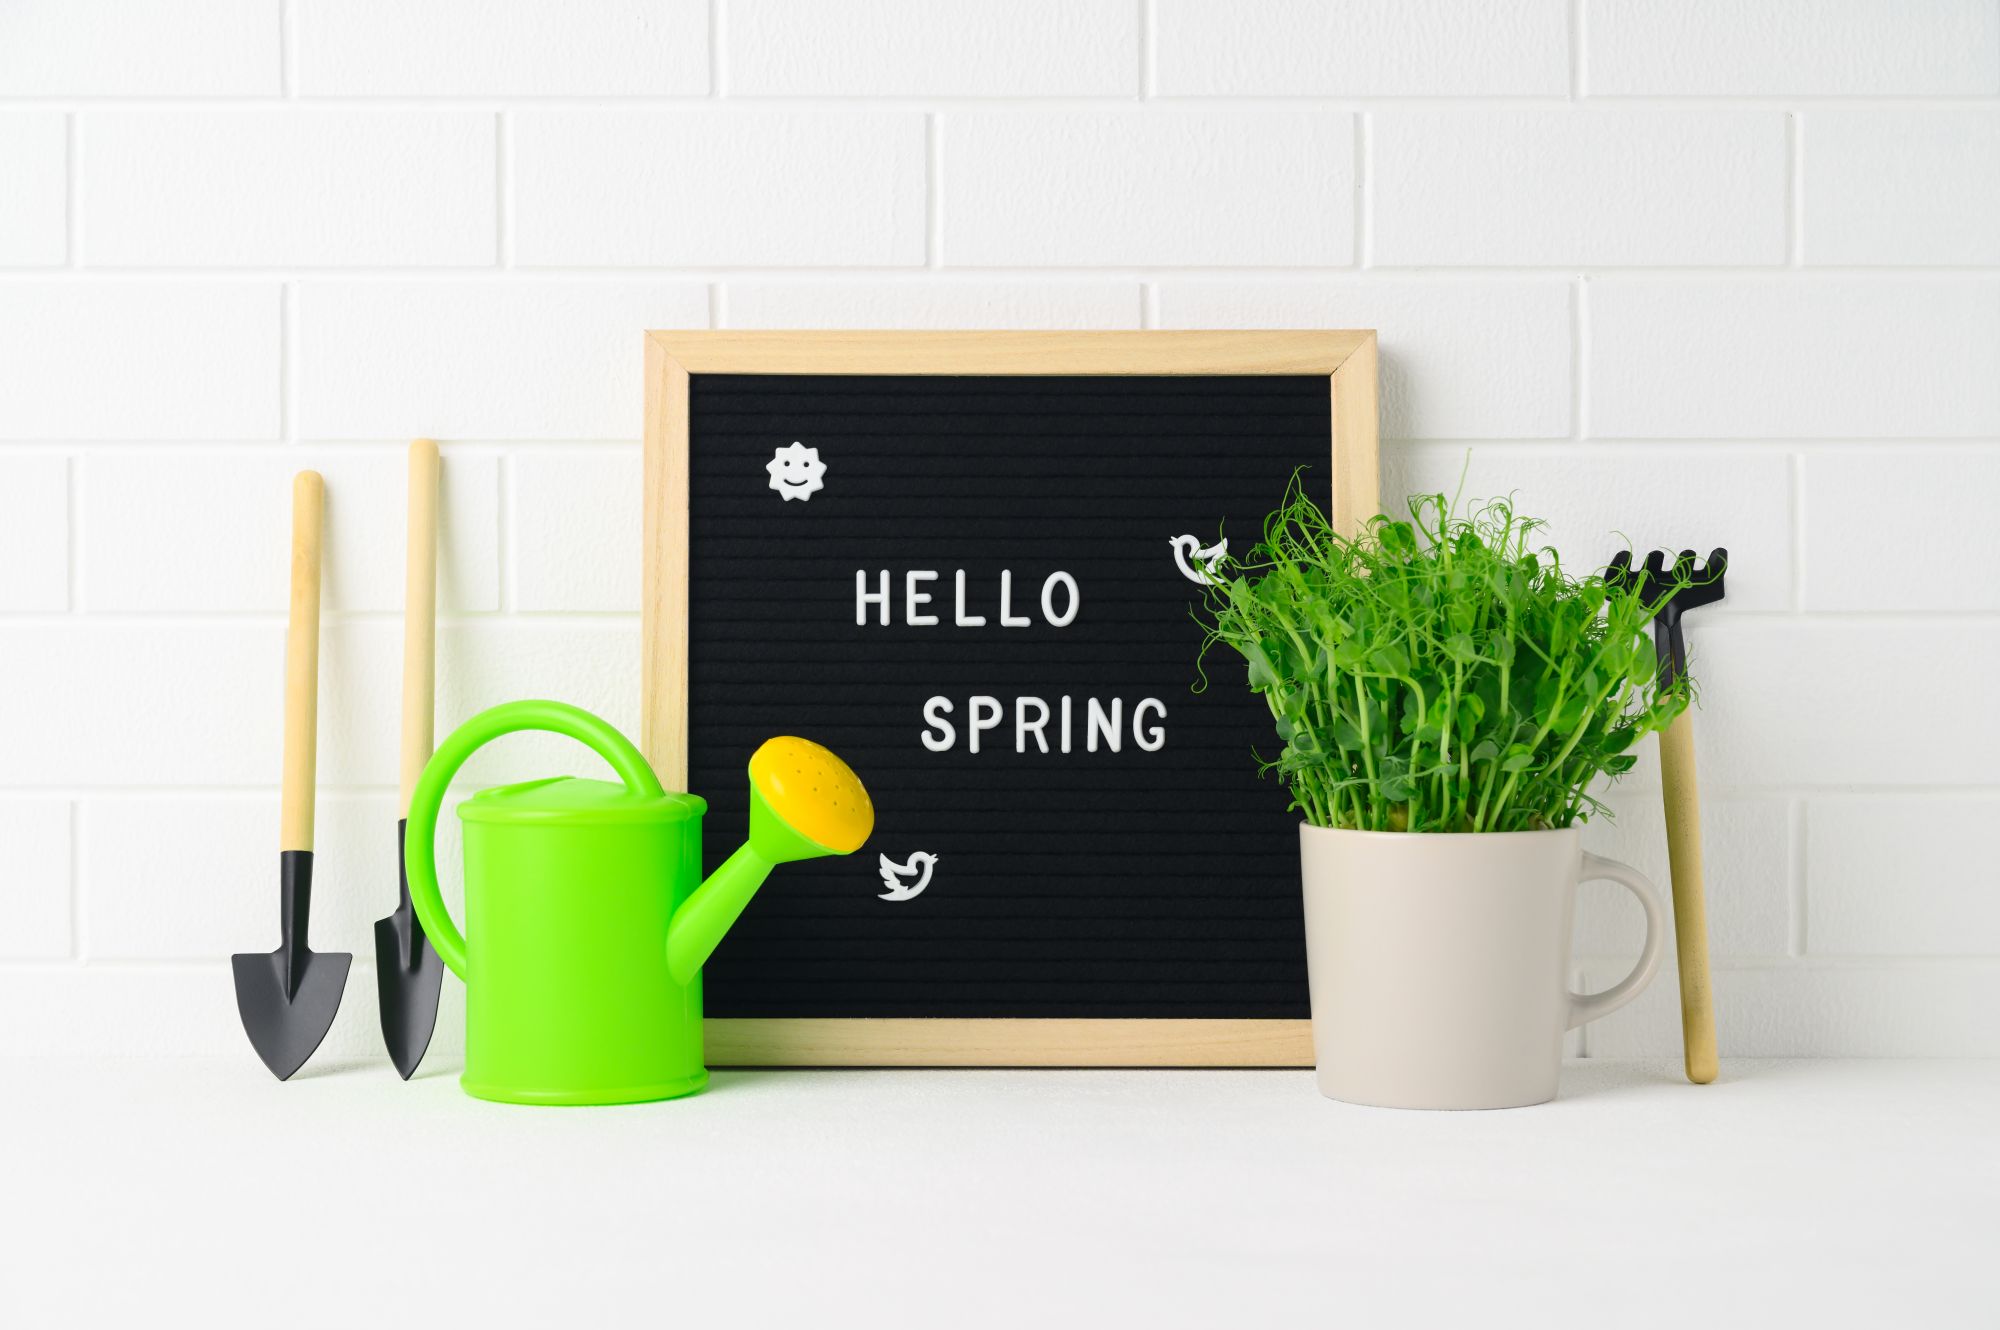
x=797, y=472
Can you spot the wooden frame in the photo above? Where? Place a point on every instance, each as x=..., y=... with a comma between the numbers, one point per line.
x=1347, y=359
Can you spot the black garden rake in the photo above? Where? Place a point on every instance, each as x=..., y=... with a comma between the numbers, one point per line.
x=1684, y=586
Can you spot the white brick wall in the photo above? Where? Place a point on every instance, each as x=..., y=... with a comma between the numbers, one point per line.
x=783, y=188
x=1366, y=48
x=1781, y=48
x=1496, y=187
x=309, y=188
x=930, y=302
x=481, y=358
x=528, y=48
x=34, y=532
x=1903, y=187
x=141, y=554
x=1114, y=188
x=1897, y=878
x=140, y=48
x=1704, y=271
x=1461, y=357
x=36, y=832
x=1769, y=356
x=140, y=359
x=914, y=48
x=33, y=162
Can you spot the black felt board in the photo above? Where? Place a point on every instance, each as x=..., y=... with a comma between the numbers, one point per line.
x=1129, y=884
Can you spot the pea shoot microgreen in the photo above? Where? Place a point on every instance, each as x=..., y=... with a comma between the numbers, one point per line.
x=1441, y=673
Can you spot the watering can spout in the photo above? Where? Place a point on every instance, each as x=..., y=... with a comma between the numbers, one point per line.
x=805, y=803
x=698, y=926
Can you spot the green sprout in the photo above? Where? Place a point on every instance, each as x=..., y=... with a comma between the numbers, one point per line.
x=1438, y=674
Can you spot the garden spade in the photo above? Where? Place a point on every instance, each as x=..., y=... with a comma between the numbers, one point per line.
x=287, y=997
x=1687, y=585
x=407, y=969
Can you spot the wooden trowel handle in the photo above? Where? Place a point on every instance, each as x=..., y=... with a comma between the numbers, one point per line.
x=295, y=815
x=1690, y=909
x=419, y=617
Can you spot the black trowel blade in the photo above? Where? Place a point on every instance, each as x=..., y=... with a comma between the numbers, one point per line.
x=288, y=997
x=283, y=1030
x=408, y=975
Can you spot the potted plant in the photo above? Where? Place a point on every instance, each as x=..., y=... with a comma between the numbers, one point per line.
x=1447, y=696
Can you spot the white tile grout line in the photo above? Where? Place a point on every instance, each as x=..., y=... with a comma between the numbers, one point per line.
x=1443, y=274
x=715, y=12
x=72, y=215
x=73, y=551
x=503, y=523
x=1363, y=253
x=503, y=240
x=288, y=327
x=73, y=811
x=1797, y=813
x=1798, y=515
x=1268, y=273
x=933, y=192
x=288, y=78
x=1577, y=47
x=1001, y=102
x=1148, y=50
x=1579, y=368
x=1795, y=191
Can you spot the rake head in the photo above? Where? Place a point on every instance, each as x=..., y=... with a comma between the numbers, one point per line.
x=1674, y=590
x=1687, y=583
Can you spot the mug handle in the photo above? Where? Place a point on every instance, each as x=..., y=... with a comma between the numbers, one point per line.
x=1585, y=1007
x=420, y=835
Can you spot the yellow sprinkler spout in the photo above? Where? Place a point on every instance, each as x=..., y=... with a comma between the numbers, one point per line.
x=813, y=793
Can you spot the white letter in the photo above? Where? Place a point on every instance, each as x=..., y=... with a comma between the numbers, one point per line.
x=1065, y=722
x=1008, y=619
x=913, y=598
x=1112, y=725
x=963, y=619
x=974, y=707
x=1021, y=725
x=863, y=597
x=1048, y=599
x=934, y=716
x=1154, y=741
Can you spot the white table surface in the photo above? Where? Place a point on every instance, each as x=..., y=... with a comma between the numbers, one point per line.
x=1786, y=1194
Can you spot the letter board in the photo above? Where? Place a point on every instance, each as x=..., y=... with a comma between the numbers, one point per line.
x=965, y=563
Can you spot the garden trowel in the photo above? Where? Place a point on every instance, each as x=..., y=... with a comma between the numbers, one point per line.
x=288, y=997
x=407, y=969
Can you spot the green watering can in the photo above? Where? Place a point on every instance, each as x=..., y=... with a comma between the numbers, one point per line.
x=587, y=927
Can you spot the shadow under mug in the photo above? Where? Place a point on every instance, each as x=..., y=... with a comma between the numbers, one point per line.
x=1439, y=963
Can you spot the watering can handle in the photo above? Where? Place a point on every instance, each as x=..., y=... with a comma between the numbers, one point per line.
x=420, y=841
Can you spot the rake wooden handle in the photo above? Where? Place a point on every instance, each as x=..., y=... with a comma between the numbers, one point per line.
x=295, y=808
x=419, y=617
x=1690, y=908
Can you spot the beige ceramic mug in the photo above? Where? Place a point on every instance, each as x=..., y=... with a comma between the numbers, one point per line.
x=1439, y=963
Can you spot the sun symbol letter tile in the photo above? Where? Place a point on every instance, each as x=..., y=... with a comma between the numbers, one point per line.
x=797, y=472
